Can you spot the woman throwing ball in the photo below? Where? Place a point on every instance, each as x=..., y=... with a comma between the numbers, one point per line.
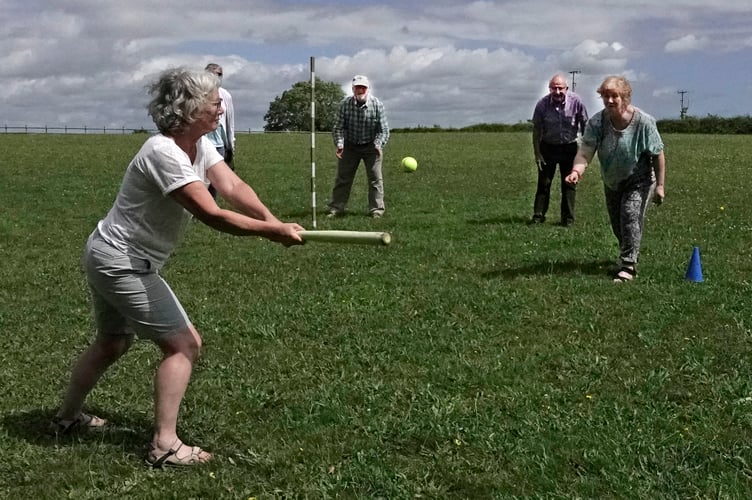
x=633, y=167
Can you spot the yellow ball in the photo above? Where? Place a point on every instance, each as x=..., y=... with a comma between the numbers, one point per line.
x=409, y=163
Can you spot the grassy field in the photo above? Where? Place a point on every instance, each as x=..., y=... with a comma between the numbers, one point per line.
x=476, y=357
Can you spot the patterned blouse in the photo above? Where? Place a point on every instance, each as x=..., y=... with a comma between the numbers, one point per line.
x=625, y=155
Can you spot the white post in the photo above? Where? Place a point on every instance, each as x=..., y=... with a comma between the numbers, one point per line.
x=313, y=141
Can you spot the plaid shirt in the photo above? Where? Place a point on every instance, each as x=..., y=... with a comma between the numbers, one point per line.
x=361, y=124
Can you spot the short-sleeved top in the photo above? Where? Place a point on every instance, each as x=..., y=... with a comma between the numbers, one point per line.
x=145, y=221
x=625, y=155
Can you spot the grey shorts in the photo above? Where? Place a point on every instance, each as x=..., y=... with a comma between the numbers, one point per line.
x=128, y=295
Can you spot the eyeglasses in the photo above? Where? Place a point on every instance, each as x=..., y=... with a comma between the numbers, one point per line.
x=557, y=87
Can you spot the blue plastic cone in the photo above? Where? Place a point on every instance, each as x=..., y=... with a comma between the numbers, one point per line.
x=694, y=270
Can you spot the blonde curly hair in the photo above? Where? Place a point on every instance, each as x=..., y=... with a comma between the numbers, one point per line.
x=618, y=83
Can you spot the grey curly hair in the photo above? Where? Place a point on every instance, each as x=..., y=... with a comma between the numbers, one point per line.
x=177, y=95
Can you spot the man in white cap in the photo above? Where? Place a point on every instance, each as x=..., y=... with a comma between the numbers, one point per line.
x=360, y=133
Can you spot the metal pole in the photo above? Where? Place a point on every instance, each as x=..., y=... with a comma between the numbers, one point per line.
x=684, y=109
x=574, y=72
x=313, y=141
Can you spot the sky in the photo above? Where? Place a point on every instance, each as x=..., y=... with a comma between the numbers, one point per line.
x=444, y=63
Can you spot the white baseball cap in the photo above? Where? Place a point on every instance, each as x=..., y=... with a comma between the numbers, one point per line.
x=360, y=80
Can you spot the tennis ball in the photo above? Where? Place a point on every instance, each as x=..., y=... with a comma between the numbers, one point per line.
x=409, y=163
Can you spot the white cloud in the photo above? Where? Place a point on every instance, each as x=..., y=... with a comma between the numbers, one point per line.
x=664, y=91
x=595, y=57
x=439, y=62
x=687, y=43
x=442, y=84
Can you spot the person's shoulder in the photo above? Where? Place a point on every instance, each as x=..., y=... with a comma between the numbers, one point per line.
x=644, y=115
x=597, y=119
x=154, y=151
x=574, y=95
x=576, y=98
x=205, y=143
x=160, y=144
x=543, y=104
x=157, y=141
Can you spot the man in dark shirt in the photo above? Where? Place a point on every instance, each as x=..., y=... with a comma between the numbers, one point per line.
x=557, y=120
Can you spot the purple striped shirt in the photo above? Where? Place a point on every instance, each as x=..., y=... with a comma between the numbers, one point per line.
x=559, y=123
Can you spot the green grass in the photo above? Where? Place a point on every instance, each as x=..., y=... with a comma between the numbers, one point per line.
x=476, y=357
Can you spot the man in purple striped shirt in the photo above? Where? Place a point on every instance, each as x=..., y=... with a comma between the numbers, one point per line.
x=557, y=120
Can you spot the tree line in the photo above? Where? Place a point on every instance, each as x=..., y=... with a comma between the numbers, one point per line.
x=710, y=124
x=291, y=111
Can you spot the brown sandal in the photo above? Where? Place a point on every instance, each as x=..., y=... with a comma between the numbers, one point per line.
x=625, y=275
x=158, y=458
x=81, y=422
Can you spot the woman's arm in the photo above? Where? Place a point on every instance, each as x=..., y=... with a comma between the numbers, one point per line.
x=195, y=198
x=582, y=158
x=238, y=193
x=659, y=165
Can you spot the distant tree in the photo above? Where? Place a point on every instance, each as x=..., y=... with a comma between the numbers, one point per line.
x=292, y=110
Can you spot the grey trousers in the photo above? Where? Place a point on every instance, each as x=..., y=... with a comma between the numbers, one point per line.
x=347, y=166
x=626, y=211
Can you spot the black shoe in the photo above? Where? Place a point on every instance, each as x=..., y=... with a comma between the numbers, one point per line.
x=537, y=219
x=567, y=223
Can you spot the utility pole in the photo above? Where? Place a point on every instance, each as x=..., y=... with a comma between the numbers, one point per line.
x=684, y=108
x=574, y=72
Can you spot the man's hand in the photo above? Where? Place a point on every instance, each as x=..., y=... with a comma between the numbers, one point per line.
x=339, y=152
x=539, y=162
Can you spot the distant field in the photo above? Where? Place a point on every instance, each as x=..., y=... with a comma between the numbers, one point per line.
x=476, y=357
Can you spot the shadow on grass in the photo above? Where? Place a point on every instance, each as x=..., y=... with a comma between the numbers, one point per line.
x=301, y=214
x=321, y=214
x=558, y=268
x=511, y=219
x=32, y=426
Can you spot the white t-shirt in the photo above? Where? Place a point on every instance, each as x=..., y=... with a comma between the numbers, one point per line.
x=145, y=221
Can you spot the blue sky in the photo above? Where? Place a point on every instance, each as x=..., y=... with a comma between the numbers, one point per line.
x=447, y=63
